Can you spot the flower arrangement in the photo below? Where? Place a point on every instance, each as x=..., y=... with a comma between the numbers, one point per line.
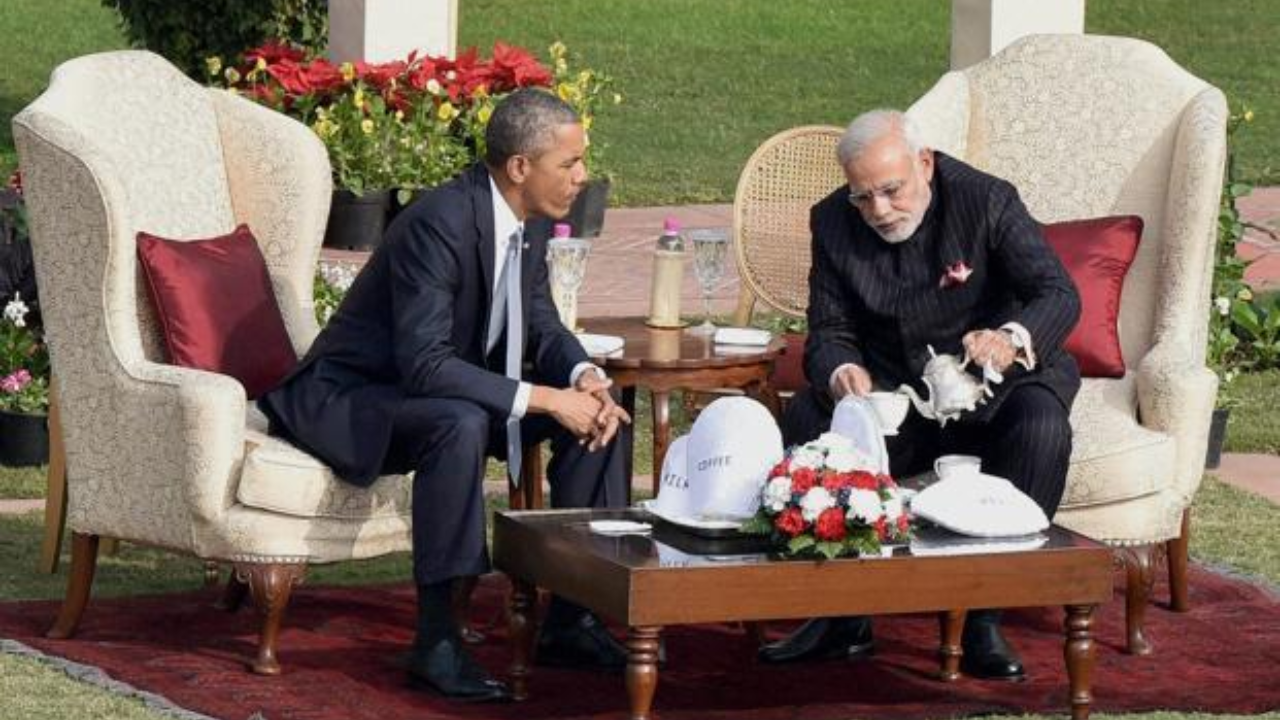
x=24, y=362
x=821, y=501
x=405, y=124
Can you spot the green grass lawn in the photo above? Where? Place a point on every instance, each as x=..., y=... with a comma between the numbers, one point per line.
x=1254, y=425
x=706, y=81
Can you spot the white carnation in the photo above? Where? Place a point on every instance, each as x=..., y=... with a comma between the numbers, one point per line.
x=831, y=441
x=16, y=311
x=865, y=505
x=893, y=508
x=1223, y=305
x=814, y=502
x=777, y=493
x=807, y=456
x=848, y=459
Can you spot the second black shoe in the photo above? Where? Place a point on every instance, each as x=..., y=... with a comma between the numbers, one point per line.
x=584, y=643
x=987, y=654
x=823, y=638
x=447, y=669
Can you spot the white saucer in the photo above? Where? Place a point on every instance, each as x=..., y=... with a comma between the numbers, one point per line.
x=600, y=344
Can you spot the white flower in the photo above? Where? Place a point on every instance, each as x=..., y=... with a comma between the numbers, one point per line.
x=814, y=502
x=1223, y=305
x=848, y=459
x=16, y=311
x=893, y=507
x=777, y=493
x=433, y=86
x=807, y=456
x=865, y=505
x=831, y=441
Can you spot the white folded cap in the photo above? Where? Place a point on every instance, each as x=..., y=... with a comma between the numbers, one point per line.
x=980, y=505
x=674, y=499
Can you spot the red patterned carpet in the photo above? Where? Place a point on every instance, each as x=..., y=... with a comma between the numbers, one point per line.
x=340, y=648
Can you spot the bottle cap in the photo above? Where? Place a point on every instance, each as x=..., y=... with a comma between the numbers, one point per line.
x=671, y=225
x=562, y=230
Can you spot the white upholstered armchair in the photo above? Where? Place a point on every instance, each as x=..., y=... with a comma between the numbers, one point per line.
x=1089, y=126
x=122, y=142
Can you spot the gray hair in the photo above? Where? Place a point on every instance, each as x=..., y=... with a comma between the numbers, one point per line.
x=523, y=124
x=873, y=125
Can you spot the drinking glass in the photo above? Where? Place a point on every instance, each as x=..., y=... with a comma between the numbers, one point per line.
x=710, y=249
x=567, y=263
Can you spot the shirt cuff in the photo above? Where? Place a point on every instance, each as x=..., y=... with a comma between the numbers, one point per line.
x=520, y=405
x=583, y=367
x=831, y=381
x=1025, y=354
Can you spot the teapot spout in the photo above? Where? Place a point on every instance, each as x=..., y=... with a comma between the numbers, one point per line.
x=922, y=407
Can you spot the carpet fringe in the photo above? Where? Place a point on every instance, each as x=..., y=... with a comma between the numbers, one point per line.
x=96, y=677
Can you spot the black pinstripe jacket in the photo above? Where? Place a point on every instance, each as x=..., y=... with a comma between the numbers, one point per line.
x=879, y=304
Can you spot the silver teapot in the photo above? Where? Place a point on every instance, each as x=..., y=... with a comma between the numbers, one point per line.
x=952, y=391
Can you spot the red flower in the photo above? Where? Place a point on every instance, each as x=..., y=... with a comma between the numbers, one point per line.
x=781, y=468
x=882, y=528
x=380, y=75
x=832, y=482
x=15, y=182
x=291, y=77
x=323, y=76
x=863, y=480
x=904, y=523
x=803, y=479
x=273, y=53
x=886, y=481
x=830, y=525
x=790, y=522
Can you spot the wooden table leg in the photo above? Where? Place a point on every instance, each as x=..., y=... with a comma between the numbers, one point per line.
x=1081, y=653
x=661, y=400
x=629, y=404
x=950, y=627
x=523, y=595
x=642, y=669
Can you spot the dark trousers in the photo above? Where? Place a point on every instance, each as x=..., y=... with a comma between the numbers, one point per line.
x=1027, y=440
x=445, y=442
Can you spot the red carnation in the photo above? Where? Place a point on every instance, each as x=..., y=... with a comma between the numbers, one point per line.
x=790, y=522
x=864, y=481
x=904, y=523
x=882, y=528
x=886, y=481
x=803, y=479
x=780, y=469
x=833, y=482
x=830, y=525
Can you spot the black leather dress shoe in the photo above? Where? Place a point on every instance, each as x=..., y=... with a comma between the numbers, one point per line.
x=823, y=638
x=987, y=654
x=584, y=643
x=447, y=669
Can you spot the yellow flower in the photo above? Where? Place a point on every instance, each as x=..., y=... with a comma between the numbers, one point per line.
x=1248, y=116
x=399, y=116
x=214, y=65
x=348, y=71
x=484, y=113
x=558, y=50
x=232, y=76
x=584, y=78
x=324, y=127
x=261, y=64
x=617, y=99
x=358, y=98
x=586, y=122
x=567, y=92
x=446, y=111
x=366, y=126
x=1244, y=295
x=481, y=92
x=561, y=66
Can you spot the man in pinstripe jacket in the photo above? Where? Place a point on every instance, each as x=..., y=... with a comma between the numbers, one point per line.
x=921, y=249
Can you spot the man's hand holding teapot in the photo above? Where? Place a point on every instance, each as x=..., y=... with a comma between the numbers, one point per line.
x=990, y=347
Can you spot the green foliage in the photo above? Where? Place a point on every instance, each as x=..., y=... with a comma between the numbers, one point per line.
x=188, y=32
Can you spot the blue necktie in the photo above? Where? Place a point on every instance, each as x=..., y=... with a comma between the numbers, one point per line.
x=507, y=298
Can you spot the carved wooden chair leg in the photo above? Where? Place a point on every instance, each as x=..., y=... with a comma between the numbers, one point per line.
x=1177, y=551
x=270, y=584
x=1137, y=564
x=233, y=594
x=55, y=503
x=84, y=561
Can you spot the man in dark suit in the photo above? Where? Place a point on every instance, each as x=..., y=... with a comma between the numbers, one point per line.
x=422, y=368
x=921, y=249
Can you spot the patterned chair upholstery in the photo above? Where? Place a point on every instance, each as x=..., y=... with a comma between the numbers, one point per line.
x=158, y=454
x=1088, y=126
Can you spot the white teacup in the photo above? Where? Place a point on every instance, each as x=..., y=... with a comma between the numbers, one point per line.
x=890, y=409
x=957, y=466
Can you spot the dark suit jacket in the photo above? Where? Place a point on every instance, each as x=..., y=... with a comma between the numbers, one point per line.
x=880, y=305
x=414, y=324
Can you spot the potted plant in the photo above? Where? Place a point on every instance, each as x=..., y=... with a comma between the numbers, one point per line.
x=588, y=91
x=394, y=129
x=24, y=360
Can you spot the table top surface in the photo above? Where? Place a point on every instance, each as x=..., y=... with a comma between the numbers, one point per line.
x=632, y=577
x=659, y=348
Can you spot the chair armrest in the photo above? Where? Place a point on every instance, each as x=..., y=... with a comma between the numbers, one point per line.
x=1176, y=395
x=280, y=183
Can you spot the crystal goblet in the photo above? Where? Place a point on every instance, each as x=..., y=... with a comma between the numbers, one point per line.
x=710, y=251
x=567, y=264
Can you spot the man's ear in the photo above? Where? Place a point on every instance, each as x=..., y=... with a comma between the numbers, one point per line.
x=518, y=168
x=926, y=164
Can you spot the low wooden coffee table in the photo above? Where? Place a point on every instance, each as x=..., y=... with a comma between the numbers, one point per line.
x=623, y=579
x=664, y=360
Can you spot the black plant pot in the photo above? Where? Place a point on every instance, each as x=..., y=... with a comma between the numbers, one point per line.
x=1217, y=437
x=24, y=439
x=586, y=217
x=397, y=207
x=356, y=222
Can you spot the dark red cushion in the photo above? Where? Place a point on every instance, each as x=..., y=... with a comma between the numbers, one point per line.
x=788, y=368
x=216, y=307
x=1097, y=254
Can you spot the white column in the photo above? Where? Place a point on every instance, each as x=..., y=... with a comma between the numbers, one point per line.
x=981, y=28
x=381, y=30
